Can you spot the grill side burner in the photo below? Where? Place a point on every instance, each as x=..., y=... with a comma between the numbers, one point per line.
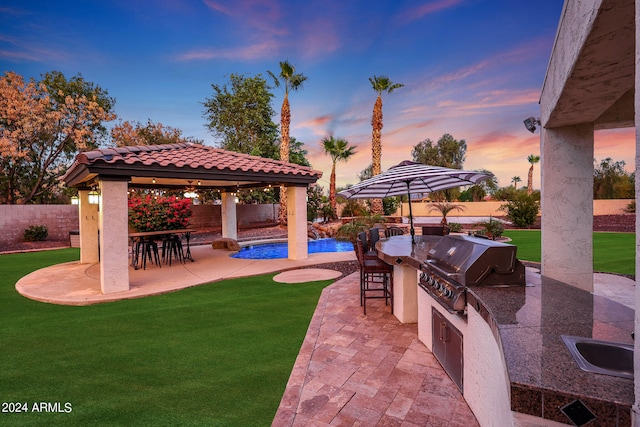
x=457, y=261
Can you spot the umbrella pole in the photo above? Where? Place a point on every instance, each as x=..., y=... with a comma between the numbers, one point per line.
x=413, y=232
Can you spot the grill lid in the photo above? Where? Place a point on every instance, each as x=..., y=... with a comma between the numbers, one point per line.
x=473, y=261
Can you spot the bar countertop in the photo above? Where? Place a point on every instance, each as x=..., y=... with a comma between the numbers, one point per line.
x=527, y=322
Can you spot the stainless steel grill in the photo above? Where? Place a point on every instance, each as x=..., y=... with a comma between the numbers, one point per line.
x=457, y=261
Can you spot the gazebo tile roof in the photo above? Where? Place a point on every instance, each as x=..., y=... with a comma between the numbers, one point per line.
x=187, y=156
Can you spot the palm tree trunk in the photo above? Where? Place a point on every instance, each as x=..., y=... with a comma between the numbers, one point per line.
x=530, y=181
x=332, y=188
x=285, y=122
x=376, y=150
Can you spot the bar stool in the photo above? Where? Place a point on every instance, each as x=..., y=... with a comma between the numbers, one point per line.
x=393, y=231
x=374, y=236
x=367, y=250
x=149, y=249
x=376, y=279
x=172, y=248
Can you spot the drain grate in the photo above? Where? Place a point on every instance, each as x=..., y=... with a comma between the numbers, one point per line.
x=578, y=413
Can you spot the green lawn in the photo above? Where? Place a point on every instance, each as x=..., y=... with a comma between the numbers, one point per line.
x=214, y=355
x=612, y=252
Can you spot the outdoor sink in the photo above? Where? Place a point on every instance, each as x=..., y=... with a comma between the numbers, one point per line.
x=601, y=357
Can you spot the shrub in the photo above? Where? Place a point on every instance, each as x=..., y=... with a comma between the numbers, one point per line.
x=353, y=208
x=36, y=233
x=390, y=205
x=455, y=227
x=161, y=213
x=522, y=211
x=631, y=207
x=349, y=231
x=492, y=228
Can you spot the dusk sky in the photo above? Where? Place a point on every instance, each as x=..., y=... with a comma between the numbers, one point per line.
x=471, y=68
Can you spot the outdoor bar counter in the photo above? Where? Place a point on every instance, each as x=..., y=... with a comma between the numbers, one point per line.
x=514, y=361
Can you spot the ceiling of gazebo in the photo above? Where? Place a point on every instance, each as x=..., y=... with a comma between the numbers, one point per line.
x=181, y=165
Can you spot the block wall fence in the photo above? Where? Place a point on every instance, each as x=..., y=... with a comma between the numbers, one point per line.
x=61, y=219
x=490, y=208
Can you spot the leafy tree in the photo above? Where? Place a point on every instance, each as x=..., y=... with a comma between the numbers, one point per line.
x=477, y=192
x=240, y=115
x=505, y=193
x=611, y=181
x=354, y=207
x=297, y=154
x=523, y=210
x=127, y=133
x=380, y=84
x=338, y=150
x=448, y=152
x=533, y=159
x=292, y=81
x=366, y=173
x=42, y=126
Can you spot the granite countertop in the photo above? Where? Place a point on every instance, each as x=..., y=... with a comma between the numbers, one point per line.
x=527, y=323
x=399, y=250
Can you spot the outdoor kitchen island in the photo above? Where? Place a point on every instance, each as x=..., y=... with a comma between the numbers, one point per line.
x=513, y=359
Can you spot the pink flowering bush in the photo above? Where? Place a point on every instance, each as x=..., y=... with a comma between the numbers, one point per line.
x=159, y=213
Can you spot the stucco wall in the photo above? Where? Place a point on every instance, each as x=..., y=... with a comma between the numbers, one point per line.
x=485, y=382
x=600, y=207
x=210, y=216
x=61, y=219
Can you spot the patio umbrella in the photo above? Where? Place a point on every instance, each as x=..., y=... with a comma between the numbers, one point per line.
x=411, y=178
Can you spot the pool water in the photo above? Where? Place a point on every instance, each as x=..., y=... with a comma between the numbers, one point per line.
x=280, y=250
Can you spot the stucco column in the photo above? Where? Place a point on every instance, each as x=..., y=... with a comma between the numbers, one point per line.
x=229, y=217
x=88, y=227
x=114, y=259
x=297, y=222
x=405, y=293
x=567, y=204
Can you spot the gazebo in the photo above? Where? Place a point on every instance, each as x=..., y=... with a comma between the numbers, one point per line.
x=113, y=171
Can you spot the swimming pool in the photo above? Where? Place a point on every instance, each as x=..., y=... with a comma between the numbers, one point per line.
x=279, y=250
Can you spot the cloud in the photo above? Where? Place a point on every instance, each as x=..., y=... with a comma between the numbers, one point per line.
x=423, y=10
x=494, y=99
x=25, y=51
x=318, y=121
x=262, y=15
x=265, y=49
x=422, y=124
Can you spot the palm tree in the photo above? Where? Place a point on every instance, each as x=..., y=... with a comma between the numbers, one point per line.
x=515, y=180
x=380, y=84
x=292, y=81
x=444, y=208
x=533, y=159
x=338, y=150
